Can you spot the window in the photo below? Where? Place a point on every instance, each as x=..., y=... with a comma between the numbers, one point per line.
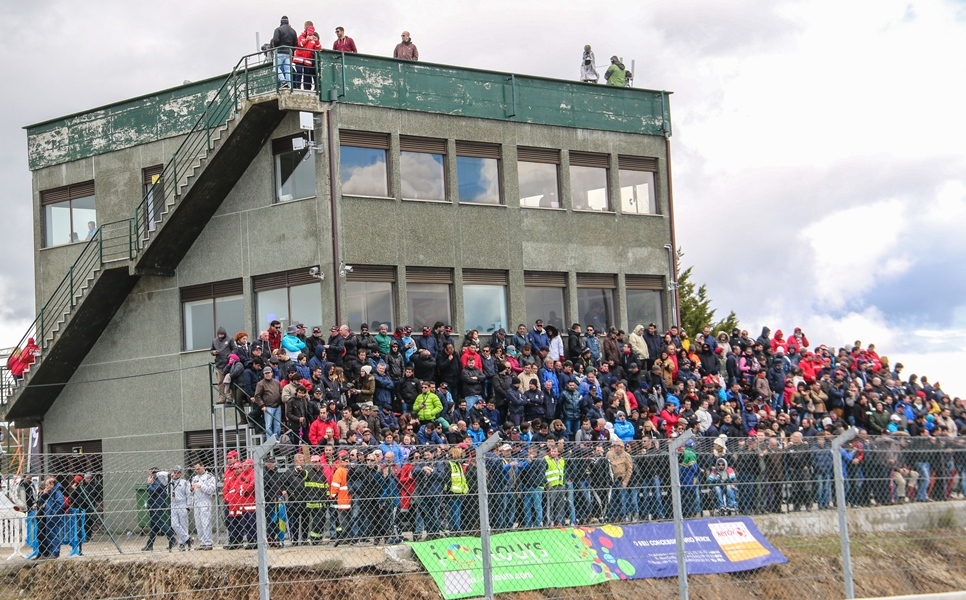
x=537, y=171
x=421, y=168
x=595, y=300
x=478, y=172
x=370, y=297
x=207, y=307
x=545, y=298
x=484, y=300
x=294, y=169
x=153, y=190
x=428, y=296
x=200, y=447
x=636, y=176
x=290, y=297
x=588, y=181
x=67, y=459
x=69, y=214
x=363, y=163
x=645, y=300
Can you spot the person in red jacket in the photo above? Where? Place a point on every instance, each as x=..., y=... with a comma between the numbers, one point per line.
x=304, y=58
x=343, y=43
x=318, y=431
x=779, y=341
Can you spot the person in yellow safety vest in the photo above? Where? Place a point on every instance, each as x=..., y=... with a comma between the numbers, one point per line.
x=339, y=490
x=556, y=490
x=317, y=490
x=458, y=488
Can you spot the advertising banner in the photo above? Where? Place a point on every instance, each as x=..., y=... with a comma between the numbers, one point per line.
x=580, y=556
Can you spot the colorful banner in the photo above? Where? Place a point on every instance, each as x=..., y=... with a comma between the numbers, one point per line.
x=573, y=557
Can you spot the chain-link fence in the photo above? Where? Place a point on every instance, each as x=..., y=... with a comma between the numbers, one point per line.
x=752, y=517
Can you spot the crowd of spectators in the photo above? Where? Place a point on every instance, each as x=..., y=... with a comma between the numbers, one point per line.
x=585, y=422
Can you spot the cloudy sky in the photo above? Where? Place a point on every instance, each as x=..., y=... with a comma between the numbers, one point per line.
x=819, y=164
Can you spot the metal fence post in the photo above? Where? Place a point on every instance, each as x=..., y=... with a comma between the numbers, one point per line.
x=840, y=506
x=258, y=455
x=481, y=487
x=679, y=511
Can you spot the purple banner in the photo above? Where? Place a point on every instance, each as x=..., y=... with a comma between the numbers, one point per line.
x=719, y=545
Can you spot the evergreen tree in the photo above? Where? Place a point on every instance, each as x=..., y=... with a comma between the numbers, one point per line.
x=696, y=311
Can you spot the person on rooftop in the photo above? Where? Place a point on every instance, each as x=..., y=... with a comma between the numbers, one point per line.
x=343, y=43
x=588, y=73
x=406, y=49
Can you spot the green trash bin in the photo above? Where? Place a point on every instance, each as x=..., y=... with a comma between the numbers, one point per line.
x=141, y=501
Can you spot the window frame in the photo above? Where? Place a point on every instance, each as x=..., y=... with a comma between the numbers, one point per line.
x=151, y=181
x=546, y=280
x=487, y=278
x=591, y=160
x=282, y=146
x=218, y=290
x=368, y=140
x=376, y=274
x=284, y=280
x=484, y=151
x=430, y=276
x=639, y=164
x=423, y=145
x=599, y=282
x=68, y=194
x=540, y=156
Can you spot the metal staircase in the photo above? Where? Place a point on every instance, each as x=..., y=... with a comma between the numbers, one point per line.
x=235, y=124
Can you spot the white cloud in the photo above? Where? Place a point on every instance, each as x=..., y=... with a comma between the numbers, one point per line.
x=849, y=246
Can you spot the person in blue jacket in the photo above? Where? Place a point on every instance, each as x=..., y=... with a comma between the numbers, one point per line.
x=623, y=428
x=291, y=342
x=50, y=508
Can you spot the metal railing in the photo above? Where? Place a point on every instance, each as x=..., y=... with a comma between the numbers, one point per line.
x=111, y=242
x=125, y=238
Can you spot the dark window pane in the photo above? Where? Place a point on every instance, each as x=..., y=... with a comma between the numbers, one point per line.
x=428, y=303
x=643, y=307
x=547, y=304
x=596, y=307
x=369, y=302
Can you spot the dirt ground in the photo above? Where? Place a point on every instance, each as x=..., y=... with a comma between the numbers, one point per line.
x=884, y=565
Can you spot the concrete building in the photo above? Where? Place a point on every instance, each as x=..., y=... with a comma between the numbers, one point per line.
x=420, y=192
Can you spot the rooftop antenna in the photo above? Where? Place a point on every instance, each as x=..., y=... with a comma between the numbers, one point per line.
x=258, y=43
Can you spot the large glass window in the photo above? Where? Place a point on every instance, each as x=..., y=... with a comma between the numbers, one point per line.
x=69, y=214
x=588, y=181
x=300, y=301
x=421, y=168
x=363, y=159
x=478, y=172
x=537, y=173
x=637, y=192
x=484, y=307
x=294, y=168
x=645, y=306
x=595, y=299
x=370, y=302
x=547, y=304
x=209, y=306
x=428, y=303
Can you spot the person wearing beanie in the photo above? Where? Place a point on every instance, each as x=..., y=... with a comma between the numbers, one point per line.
x=284, y=40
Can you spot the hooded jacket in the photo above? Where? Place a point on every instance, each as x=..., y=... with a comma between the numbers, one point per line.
x=222, y=346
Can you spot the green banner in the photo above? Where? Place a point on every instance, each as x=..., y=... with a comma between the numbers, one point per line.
x=522, y=561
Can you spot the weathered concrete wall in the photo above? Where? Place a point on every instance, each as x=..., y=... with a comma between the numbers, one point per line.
x=881, y=519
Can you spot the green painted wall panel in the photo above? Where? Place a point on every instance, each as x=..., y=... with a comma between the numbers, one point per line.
x=365, y=80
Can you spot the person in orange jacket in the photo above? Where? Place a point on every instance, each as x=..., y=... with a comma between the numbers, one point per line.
x=339, y=491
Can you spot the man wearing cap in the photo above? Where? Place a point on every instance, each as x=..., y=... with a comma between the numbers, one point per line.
x=180, y=503
x=284, y=40
x=203, y=487
x=339, y=491
x=538, y=338
x=317, y=491
x=268, y=399
x=221, y=347
x=291, y=342
x=366, y=340
x=157, y=505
